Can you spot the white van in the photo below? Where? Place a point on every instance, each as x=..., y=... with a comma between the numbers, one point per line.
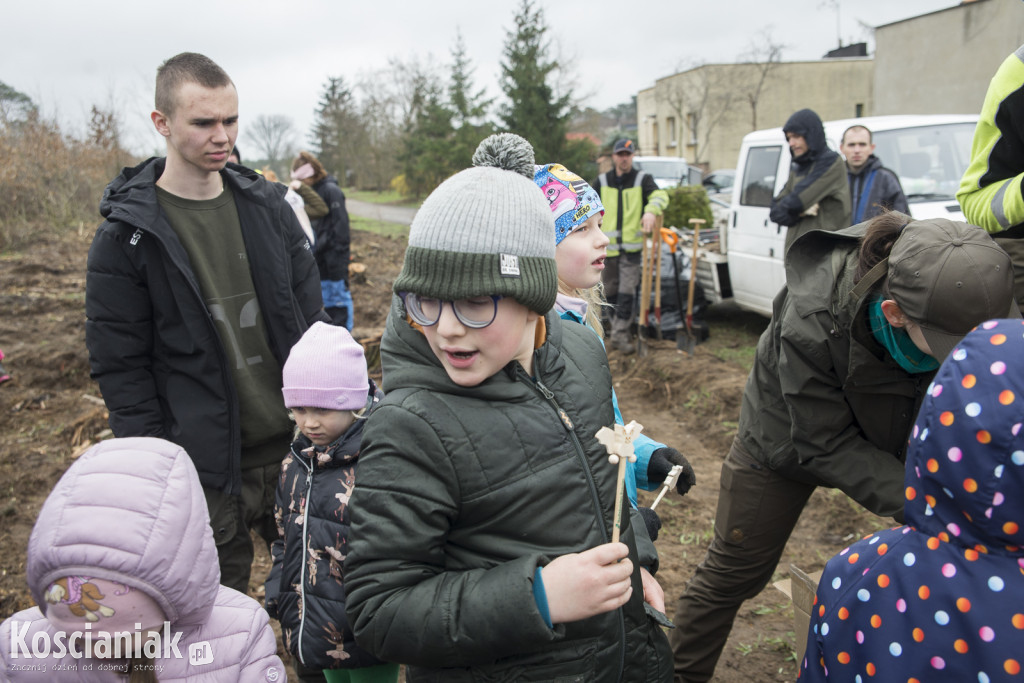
x=669, y=171
x=928, y=153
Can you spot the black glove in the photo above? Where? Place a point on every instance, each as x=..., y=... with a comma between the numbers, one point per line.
x=661, y=463
x=651, y=521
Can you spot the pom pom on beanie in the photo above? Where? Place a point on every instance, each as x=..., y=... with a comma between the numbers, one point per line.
x=506, y=151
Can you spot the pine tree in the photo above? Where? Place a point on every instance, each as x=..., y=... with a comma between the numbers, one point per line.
x=469, y=109
x=427, y=143
x=533, y=111
x=337, y=129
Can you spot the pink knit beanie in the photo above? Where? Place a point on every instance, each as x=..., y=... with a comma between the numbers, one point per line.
x=326, y=369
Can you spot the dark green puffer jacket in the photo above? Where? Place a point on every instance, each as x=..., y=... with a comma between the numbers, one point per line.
x=464, y=492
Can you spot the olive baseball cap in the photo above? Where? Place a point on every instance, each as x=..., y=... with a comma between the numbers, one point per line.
x=949, y=277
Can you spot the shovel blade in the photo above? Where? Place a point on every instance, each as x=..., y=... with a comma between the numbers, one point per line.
x=686, y=342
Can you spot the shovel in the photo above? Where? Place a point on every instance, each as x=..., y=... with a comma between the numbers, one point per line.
x=690, y=341
x=656, y=254
x=672, y=240
x=645, y=299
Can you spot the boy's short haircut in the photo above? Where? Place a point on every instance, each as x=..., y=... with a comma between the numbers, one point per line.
x=187, y=67
x=856, y=126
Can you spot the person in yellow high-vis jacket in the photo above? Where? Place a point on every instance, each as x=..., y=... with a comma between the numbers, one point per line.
x=992, y=189
x=632, y=200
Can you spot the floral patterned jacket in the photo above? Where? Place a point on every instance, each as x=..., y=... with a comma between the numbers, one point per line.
x=305, y=588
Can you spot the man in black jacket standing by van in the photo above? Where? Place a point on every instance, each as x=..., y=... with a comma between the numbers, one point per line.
x=873, y=187
x=199, y=282
x=816, y=194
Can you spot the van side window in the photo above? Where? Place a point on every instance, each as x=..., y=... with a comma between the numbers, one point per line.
x=759, y=176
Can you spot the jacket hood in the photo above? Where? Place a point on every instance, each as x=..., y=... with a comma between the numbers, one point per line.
x=131, y=511
x=329, y=179
x=810, y=263
x=133, y=190
x=872, y=163
x=808, y=125
x=965, y=462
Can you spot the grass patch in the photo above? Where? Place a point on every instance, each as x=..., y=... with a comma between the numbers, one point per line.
x=742, y=356
x=734, y=334
x=385, y=228
x=388, y=197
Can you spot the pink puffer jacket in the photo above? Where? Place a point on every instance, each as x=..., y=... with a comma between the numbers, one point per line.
x=132, y=511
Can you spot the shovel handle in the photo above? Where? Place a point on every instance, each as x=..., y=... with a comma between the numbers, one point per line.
x=696, y=223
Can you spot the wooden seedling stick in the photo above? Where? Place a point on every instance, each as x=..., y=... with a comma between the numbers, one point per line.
x=670, y=481
x=619, y=444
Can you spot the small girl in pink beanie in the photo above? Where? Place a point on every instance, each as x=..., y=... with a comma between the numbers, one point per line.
x=329, y=393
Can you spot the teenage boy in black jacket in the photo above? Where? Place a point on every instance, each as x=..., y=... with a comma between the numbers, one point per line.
x=199, y=283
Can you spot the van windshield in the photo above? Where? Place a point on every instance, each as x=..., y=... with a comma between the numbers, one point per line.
x=665, y=170
x=929, y=160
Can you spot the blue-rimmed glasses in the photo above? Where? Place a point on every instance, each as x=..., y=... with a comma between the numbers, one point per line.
x=474, y=311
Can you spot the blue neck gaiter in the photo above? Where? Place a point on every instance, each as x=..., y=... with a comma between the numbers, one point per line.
x=898, y=343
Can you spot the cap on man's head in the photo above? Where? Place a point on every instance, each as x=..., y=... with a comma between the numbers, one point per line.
x=949, y=277
x=624, y=145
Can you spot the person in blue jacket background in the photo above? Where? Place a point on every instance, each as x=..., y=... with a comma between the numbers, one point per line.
x=942, y=597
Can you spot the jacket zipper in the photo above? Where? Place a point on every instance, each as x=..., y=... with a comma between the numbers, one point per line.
x=563, y=418
x=235, y=466
x=305, y=553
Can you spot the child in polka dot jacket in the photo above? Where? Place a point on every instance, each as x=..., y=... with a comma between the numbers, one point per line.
x=941, y=598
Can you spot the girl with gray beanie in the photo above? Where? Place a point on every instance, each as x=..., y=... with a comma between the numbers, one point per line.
x=481, y=524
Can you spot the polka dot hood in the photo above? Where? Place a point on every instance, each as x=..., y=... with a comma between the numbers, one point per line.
x=942, y=598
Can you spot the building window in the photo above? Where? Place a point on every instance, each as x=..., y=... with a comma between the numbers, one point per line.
x=671, y=123
x=858, y=110
x=654, y=137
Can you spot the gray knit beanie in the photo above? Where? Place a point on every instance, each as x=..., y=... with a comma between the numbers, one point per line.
x=486, y=230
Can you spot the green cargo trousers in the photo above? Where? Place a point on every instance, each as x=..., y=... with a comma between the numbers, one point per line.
x=757, y=510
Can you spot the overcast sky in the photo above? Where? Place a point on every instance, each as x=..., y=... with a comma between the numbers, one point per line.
x=69, y=54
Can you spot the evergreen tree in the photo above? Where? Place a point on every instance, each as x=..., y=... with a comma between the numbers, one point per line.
x=426, y=146
x=533, y=110
x=15, y=106
x=337, y=129
x=468, y=108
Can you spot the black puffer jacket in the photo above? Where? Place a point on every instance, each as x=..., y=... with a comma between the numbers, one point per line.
x=332, y=232
x=885, y=193
x=464, y=492
x=153, y=346
x=305, y=590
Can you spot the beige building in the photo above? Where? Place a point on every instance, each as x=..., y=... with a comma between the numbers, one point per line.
x=702, y=114
x=937, y=63
x=942, y=62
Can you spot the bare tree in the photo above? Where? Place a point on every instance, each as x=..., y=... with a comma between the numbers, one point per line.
x=700, y=97
x=273, y=135
x=383, y=103
x=763, y=55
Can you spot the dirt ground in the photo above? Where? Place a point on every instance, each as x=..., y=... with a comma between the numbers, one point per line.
x=51, y=411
